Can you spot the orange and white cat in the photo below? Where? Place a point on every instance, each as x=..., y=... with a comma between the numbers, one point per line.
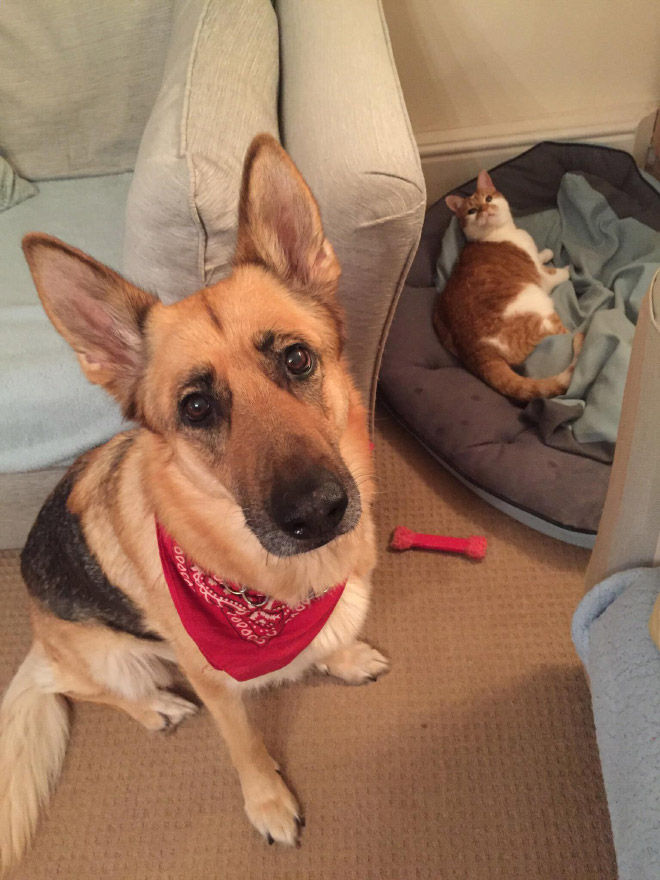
x=496, y=305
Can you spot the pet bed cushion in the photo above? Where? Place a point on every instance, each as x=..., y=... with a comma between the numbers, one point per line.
x=547, y=463
x=610, y=631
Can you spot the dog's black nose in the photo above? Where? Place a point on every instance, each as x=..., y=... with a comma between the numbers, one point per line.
x=309, y=506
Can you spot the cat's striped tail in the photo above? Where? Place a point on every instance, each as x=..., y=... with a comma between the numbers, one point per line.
x=494, y=369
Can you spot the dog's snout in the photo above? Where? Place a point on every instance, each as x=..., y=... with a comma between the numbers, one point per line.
x=309, y=507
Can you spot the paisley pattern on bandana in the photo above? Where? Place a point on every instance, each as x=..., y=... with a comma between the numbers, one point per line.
x=239, y=630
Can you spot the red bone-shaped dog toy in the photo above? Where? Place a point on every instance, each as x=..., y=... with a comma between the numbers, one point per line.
x=404, y=539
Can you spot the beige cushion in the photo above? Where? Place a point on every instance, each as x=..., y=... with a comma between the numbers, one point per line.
x=77, y=82
x=14, y=189
x=629, y=530
x=21, y=498
x=345, y=124
x=219, y=89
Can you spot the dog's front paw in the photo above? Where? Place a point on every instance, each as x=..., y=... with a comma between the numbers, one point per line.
x=271, y=808
x=359, y=663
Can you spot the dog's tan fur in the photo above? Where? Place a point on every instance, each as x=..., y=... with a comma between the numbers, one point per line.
x=157, y=471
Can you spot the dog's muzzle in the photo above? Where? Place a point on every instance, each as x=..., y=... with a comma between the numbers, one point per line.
x=306, y=510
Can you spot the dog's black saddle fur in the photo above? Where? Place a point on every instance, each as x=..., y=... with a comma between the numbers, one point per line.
x=62, y=573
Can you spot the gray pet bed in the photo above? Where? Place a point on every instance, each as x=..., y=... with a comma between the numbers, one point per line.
x=546, y=464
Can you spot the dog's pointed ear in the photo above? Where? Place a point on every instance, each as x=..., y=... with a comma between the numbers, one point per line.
x=279, y=224
x=101, y=315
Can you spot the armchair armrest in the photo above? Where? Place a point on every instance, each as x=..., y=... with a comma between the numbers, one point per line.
x=629, y=530
x=344, y=122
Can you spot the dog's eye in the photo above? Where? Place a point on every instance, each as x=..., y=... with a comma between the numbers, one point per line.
x=489, y=198
x=299, y=360
x=472, y=211
x=196, y=408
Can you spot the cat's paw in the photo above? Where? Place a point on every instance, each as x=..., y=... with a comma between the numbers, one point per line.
x=555, y=277
x=546, y=255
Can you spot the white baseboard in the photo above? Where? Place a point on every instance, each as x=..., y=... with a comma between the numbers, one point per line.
x=449, y=158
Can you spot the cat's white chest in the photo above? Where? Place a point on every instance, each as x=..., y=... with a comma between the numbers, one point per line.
x=525, y=241
x=519, y=237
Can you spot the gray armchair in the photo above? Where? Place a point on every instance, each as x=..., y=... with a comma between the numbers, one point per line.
x=133, y=119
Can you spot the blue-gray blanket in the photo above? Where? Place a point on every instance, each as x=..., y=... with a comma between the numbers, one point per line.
x=599, y=232
x=49, y=412
x=610, y=631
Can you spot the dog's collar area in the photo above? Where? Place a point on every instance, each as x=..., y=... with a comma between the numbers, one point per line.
x=240, y=631
x=250, y=596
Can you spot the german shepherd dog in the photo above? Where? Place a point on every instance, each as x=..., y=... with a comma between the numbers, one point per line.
x=251, y=451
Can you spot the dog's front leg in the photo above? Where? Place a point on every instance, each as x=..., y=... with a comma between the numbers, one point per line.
x=341, y=653
x=357, y=663
x=269, y=804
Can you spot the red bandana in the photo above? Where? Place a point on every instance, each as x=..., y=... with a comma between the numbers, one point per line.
x=239, y=631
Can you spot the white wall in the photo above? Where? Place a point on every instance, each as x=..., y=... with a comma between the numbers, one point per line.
x=485, y=79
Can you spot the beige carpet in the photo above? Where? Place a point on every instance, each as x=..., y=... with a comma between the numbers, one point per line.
x=475, y=758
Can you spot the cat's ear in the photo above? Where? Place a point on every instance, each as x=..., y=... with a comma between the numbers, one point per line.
x=484, y=181
x=454, y=203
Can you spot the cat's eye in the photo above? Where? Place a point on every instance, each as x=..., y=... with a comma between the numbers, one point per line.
x=489, y=198
x=472, y=211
